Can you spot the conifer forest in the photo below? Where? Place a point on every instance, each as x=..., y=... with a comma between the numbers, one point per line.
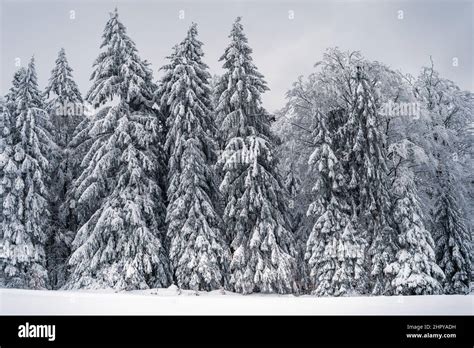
x=360, y=185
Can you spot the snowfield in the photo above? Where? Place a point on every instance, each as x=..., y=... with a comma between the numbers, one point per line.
x=171, y=302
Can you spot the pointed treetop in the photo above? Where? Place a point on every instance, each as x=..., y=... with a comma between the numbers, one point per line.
x=192, y=31
x=61, y=54
x=114, y=14
x=28, y=91
x=190, y=47
x=19, y=73
x=237, y=29
x=118, y=70
x=190, y=37
x=13, y=92
x=61, y=82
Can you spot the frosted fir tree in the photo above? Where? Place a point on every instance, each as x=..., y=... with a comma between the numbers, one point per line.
x=336, y=248
x=26, y=93
x=119, y=71
x=11, y=97
x=165, y=86
x=163, y=104
x=255, y=216
x=120, y=243
x=453, y=239
x=120, y=246
x=414, y=271
x=63, y=100
x=25, y=225
x=64, y=103
x=199, y=254
x=368, y=185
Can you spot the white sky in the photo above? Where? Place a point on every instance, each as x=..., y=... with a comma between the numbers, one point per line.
x=283, y=48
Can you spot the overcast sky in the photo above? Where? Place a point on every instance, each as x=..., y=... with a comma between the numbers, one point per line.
x=284, y=48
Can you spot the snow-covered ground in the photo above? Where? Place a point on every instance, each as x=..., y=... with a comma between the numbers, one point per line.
x=171, y=302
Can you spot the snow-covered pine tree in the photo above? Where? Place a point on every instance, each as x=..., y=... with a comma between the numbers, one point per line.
x=453, y=238
x=25, y=224
x=164, y=113
x=199, y=254
x=165, y=86
x=27, y=94
x=12, y=94
x=255, y=215
x=122, y=213
x=367, y=175
x=119, y=71
x=64, y=104
x=120, y=245
x=414, y=271
x=63, y=98
x=336, y=247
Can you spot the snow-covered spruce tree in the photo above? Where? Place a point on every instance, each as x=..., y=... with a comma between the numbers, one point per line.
x=199, y=254
x=453, y=239
x=165, y=86
x=64, y=103
x=12, y=94
x=63, y=98
x=120, y=245
x=120, y=241
x=255, y=215
x=25, y=189
x=414, y=271
x=336, y=247
x=164, y=112
x=119, y=71
x=25, y=92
